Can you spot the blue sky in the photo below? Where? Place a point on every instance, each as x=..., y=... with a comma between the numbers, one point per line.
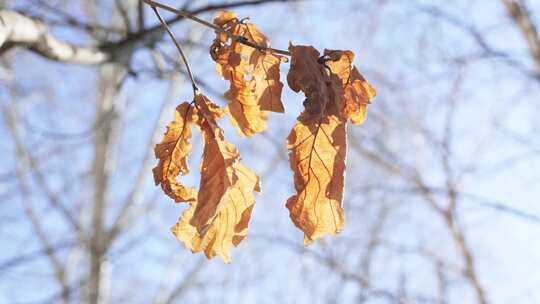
x=410, y=57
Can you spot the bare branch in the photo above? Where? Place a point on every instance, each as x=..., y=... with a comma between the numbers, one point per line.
x=520, y=14
x=184, y=285
x=29, y=257
x=486, y=50
x=218, y=29
x=180, y=51
x=19, y=30
x=29, y=209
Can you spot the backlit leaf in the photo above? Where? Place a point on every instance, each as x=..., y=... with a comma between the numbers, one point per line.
x=255, y=87
x=317, y=147
x=172, y=153
x=218, y=220
x=355, y=91
x=335, y=92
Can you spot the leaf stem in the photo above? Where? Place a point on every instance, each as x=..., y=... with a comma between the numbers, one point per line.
x=184, y=58
x=218, y=29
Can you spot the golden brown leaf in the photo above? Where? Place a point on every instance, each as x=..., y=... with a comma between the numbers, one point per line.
x=228, y=226
x=332, y=78
x=208, y=112
x=335, y=92
x=317, y=155
x=353, y=88
x=220, y=217
x=172, y=153
x=309, y=76
x=253, y=75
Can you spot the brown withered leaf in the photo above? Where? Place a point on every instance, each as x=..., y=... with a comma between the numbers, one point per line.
x=228, y=227
x=335, y=92
x=354, y=90
x=172, y=153
x=220, y=217
x=330, y=78
x=317, y=155
x=306, y=74
x=255, y=87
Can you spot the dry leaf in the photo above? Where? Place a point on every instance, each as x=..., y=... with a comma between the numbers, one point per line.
x=219, y=219
x=335, y=92
x=306, y=74
x=172, y=153
x=253, y=75
x=317, y=155
x=353, y=88
x=228, y=227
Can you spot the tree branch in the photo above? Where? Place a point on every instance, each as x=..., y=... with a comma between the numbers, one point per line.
x=19, y=30
x=216, y=28
x=520, y=14
x=180, y=51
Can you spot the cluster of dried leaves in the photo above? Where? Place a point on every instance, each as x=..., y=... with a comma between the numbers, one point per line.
x=220, y=211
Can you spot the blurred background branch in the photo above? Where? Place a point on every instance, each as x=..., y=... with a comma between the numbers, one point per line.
x=442, y=182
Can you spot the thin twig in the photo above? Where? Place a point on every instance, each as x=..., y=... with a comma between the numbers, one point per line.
x=183, y=14
x=218, y=29
x=193, y=84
